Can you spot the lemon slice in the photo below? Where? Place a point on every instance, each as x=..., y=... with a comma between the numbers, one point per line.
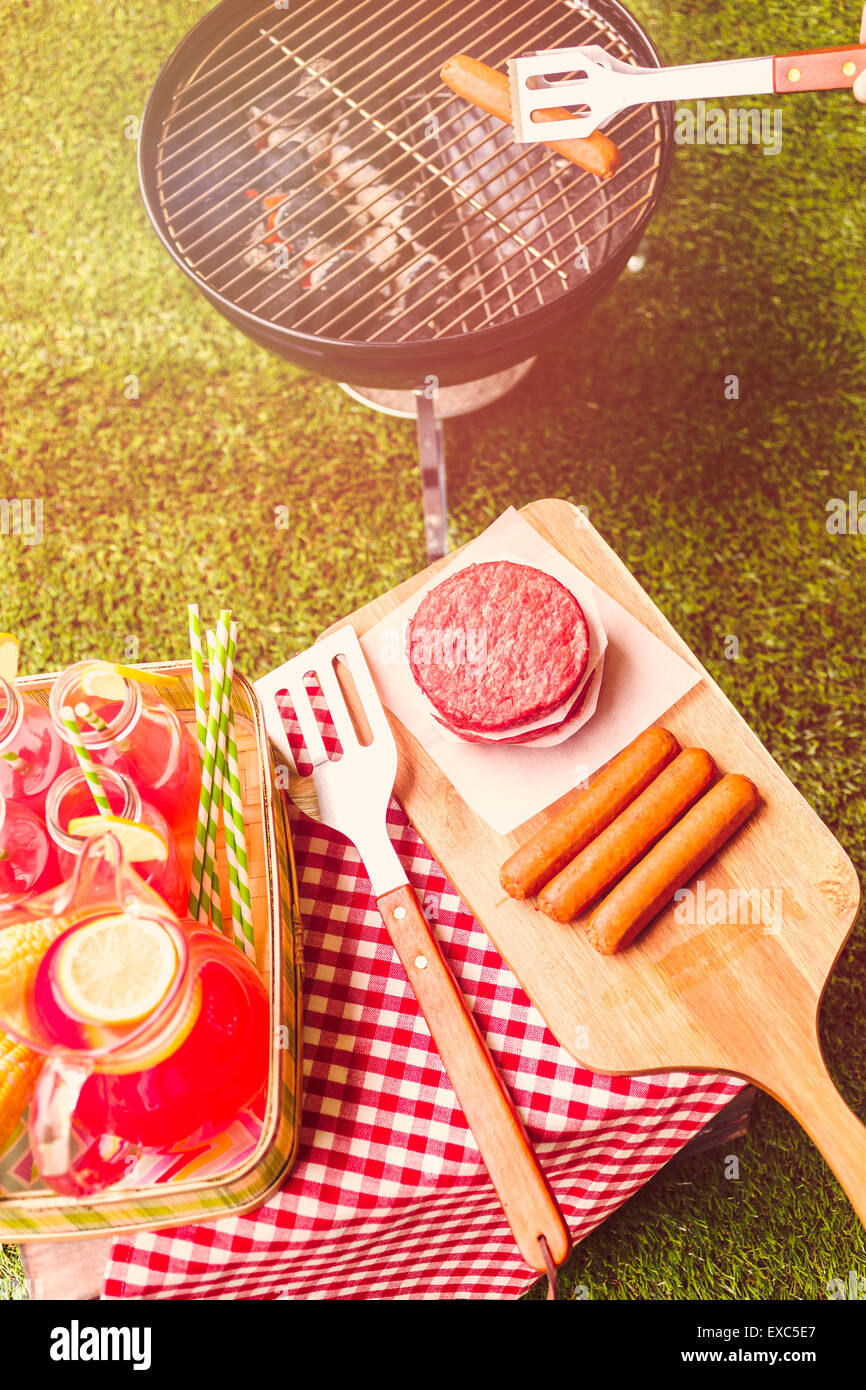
x=117, y=970
x=136, y=673
x=108, y=680
x=138, y=842
x=9, y=648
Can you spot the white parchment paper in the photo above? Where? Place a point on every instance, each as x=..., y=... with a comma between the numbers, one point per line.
x=508, y=784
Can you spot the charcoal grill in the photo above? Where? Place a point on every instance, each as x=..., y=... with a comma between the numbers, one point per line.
x=305, y=166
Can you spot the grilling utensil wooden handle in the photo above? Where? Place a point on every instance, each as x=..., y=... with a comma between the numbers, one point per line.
x=819, y=69
x=523, y=1190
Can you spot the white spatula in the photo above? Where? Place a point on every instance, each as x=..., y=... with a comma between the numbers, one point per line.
x=353, y=793
x=601, y=86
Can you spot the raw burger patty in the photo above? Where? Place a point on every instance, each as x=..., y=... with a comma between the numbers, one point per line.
x=503, y=741
x=498, y=644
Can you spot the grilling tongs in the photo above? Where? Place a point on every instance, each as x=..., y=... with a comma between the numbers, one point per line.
x=600, y=86
x=353, y=794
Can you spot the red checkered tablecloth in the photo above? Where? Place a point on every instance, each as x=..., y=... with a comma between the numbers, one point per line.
x=388, y=1197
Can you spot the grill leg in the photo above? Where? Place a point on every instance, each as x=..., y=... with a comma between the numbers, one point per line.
x=431, y=448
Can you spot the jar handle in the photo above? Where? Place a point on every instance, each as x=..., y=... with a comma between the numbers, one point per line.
x=68, y=1162
x=103, y=878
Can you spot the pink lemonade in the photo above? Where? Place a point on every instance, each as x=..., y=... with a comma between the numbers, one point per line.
x=31, y=752
x=71, y=797
x=28, y=863
x=140, y=737
x=202, y=1064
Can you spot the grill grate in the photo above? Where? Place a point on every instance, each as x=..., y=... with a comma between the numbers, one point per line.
x=315, y=172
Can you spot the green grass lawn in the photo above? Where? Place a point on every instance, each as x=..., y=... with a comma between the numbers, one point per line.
x=755, y=268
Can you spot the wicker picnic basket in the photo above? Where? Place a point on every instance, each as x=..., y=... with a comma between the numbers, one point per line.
x=237, y=1173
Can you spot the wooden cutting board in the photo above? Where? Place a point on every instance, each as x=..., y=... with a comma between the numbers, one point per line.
x=740, y=995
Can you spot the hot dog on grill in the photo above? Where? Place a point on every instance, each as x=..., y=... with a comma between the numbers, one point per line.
x=622, y=843
x=489, y=89
x=587, y=813
x=671, y=863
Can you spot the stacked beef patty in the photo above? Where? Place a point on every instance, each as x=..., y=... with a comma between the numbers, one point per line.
x=500, y=649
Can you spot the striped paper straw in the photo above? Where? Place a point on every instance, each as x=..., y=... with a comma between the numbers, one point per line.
x=202, y=874
x=198, y=676
x=88, y=767
x=233, y=824
x=228, y=653
x=234, y=813
x=210, y=882
x=96, y=721
x=221, y=650
x=201, y=729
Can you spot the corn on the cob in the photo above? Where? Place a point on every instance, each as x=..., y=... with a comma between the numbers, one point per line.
x=19, y=1070
x=22, y=947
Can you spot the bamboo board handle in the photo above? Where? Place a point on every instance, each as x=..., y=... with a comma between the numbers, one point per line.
x=527, y=1200
x=809, y=1093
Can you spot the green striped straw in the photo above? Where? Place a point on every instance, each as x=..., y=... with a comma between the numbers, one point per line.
x=88, y=767
x=198, y=677
x=234, y=813
x=96, y=721
x=233, y=824
x=221, y=650
x=202, y=880
x=227, y=664
x=200, y=698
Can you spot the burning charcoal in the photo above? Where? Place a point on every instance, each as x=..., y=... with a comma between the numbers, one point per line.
x=291, y=232
x=205, y=196
x=290, y=120
x=275, y=300
x=217, y=226
x=427, y=297
x=338, y=282
x=280, y=165
x=304, y=219
x=342, y=271
x=315, y=97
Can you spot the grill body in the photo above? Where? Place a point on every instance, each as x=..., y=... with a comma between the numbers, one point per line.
x=522, y=243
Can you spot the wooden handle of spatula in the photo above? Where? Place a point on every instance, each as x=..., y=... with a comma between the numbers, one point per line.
x=529, y=1205
x=808, y=1092
x=819, y=69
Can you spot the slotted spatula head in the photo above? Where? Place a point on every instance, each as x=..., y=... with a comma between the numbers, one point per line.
x=598, y=85
x=353, y=788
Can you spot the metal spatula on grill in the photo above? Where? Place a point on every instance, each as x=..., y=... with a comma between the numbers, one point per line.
x=600, y=86
x=353, y=793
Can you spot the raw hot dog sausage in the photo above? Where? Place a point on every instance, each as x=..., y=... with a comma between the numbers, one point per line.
x=618, y=847
x=587, y=813
x=671, y=863
x=489, y=89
